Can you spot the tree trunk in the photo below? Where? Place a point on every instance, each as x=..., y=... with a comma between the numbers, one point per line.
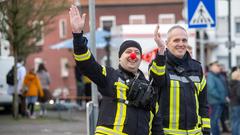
x=15, y=96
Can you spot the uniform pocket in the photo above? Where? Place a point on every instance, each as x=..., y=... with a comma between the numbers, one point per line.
x=112, y=113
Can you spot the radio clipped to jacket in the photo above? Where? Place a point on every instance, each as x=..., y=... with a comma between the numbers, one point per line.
x=142, y=94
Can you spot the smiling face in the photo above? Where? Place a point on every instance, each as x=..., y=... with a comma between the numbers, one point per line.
x=127, y=62
x=177, y=42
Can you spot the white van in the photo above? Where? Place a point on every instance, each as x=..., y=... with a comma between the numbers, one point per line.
x=6, y=64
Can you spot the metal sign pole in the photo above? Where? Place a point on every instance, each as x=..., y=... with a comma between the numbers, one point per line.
x=229, y=36
x=92, y=21
x=202, y=51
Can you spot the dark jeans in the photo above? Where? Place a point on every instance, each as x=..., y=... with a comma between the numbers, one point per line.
x=21, y=104
x=224, y=117
x=215, y=116
x=235, y=111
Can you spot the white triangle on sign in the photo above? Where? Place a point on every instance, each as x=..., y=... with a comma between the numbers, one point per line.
x=201, y=16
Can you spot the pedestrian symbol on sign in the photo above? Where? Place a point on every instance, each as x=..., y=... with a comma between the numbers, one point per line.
x=201, y=16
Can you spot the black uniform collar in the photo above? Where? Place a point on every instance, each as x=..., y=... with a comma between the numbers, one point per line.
x=173, y=60
x=129, y=74
x=182, y=65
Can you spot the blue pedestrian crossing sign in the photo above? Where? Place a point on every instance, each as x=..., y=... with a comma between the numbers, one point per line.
x=201, y=14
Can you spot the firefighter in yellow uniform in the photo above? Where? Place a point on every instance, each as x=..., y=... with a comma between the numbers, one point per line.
x=129, y=102
x=183, y=100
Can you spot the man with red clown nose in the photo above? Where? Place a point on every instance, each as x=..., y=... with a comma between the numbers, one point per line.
x=129, y=54
x=129, y=103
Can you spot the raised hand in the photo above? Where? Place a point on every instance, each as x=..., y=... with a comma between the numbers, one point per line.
x=76, y=20
x=160, y=43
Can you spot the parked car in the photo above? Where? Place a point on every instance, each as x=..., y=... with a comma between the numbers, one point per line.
x=5, y=99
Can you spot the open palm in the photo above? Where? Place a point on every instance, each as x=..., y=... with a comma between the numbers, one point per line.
x=76, y=20
x=158, y=39
x=160, y=43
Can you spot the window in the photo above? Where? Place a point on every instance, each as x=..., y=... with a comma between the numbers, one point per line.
x=166, y=19
x=107, y=22
x=38, y=25
x=4, y=47
x=37, y=61
x=222, y=27
x=62, y=28
x=137, y=19
x=64, y=64
x=238, y=60
x=237, y=26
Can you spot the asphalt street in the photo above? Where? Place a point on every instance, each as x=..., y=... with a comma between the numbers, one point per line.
x=55, y=123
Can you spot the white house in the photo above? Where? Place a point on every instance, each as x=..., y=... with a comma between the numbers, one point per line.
x=220, y=53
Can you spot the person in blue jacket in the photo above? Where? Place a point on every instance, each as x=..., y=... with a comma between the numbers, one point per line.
x=217, y=95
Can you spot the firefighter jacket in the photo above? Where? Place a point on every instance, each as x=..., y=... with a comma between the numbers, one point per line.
x=115, y=117
x=183, y=97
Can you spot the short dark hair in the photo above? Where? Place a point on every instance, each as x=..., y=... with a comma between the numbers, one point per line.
x=19, y=59
x=173, y=28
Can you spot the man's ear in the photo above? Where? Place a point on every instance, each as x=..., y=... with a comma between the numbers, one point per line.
x=166, y=42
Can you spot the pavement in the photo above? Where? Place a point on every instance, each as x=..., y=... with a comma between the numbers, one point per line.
x=55, y=123
x=66, y=122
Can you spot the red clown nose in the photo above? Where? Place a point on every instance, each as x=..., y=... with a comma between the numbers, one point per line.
x=133, y=56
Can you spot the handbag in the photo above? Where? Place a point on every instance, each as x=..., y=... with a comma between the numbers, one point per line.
x=47, y=95
x=24, y=89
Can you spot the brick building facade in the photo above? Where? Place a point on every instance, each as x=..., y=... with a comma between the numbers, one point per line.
x=60, y=63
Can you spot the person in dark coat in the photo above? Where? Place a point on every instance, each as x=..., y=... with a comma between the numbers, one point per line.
x=44, y=78
x=235, y=101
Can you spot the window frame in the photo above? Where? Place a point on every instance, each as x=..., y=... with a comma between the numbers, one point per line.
x=107, y=18
x=141, y=17
x=41, y=41
x=237, y=20
x=167, y=16
x=62, y=26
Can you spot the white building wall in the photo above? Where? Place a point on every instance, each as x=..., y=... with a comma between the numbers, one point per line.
x=221, y=52
x=236, y=38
